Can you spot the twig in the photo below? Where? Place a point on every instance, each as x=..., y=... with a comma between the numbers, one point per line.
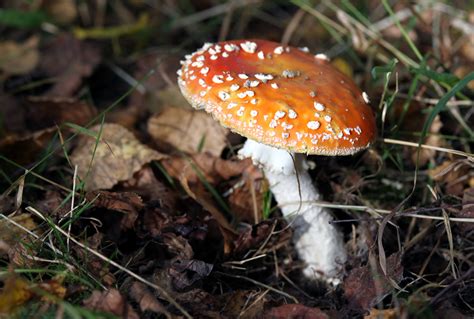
x=208, y=13
x=292, y=26
x=435, y=101
x=70, y=213
x=386, y=211
x=258, y=283
x=430, y=147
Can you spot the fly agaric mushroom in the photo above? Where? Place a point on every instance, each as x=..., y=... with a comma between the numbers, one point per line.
x=285, y=101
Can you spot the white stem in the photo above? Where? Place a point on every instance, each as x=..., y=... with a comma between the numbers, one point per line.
x=318, y=243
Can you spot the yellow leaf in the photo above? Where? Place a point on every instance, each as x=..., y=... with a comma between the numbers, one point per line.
x=343, y=66
x=15, y=293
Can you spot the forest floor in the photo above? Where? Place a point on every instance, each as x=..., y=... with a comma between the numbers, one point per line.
x=118, y=200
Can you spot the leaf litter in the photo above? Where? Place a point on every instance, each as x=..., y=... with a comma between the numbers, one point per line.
x=158, y=188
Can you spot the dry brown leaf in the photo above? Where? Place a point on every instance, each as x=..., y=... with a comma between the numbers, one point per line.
x=24, y=149
x=467, y=210
x=50, y=290
x=185, y=273
x=111, y=301
x=464, y=70
x=188, y=130
x=154, y=221
x=248, y=195
x=62, y=11
x=19, y=58
x=214, y=169
x=268, y=235
x=18, y=240
x=12, y=115
x=159, y=89
x=145, y=184
x=118, y=156
x=412, y=117
x=382, y=314
x=146, y=300
x=43, y=112
x=129, y=117
x=467, y=47
x=125, y=202
x=68, y=60
x=10, y=234
x=190, y=170
x=433, y=140
x=365, y=286
x=295, y=311
x=452, y=175
x=4, y=248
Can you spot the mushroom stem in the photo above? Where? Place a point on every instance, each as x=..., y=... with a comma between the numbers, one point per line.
x=318, y=243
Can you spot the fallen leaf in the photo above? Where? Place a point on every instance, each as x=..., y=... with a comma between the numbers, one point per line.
x=463, y=70
x=129, y=117
x=4, y=248
x=44, y=112
x=15, y=292
x=194, y=171
x=268, y=235
x=365, y=286
x=187, y=272
x=61, y=11
x=154, y=220
x=110, y=301
x=24, y=149
x=68, y=60
x=177, y=246
x=412, y=116
x=343, y=66
x=50, y=290
x=146, y=300
x=157, y=73
x=153, y=191
x=117, y=157
x=125, y=202
x=449, y=174
x=52, y=204
x=244, y=304
x=295, y=311
x=212, y=168
x=247, y=195
x=433, y=140
x=467, y=210
x=19, y=58
x=188, y=130
x=95, y=265
x=206, y=201
x=12, y=115
x=448, y=311
x=382, y=314
x=11, y=234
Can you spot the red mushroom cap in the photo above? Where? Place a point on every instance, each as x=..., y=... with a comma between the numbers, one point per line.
x=280, y=96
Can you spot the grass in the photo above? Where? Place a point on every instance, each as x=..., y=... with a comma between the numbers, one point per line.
x=400, y=207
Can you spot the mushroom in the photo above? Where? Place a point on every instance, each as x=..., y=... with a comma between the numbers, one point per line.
x=288, y=103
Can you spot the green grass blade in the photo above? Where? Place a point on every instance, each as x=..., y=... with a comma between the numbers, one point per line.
x=22, y=19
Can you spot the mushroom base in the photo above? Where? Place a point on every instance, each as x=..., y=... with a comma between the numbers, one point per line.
x=318, y=243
